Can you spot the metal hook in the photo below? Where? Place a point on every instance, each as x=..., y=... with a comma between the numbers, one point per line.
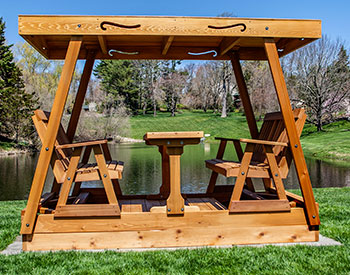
x=212, y=51
x=110, y=52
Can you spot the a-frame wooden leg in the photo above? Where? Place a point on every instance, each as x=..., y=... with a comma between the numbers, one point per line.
x=247, y=105
x=108, y=157
x=242, y=176
x=288, y=118
x=214, y=175
x=79, y=99
x=244, y=95
x=50, y=137
x=106, y=180
x=70, y=175
x=275, y=172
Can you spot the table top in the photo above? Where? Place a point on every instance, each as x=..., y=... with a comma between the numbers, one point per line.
x=173, y=135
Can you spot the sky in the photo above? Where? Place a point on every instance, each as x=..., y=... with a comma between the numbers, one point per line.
x=335, y=15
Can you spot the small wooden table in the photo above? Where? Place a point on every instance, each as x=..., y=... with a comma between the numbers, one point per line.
x=171, y=147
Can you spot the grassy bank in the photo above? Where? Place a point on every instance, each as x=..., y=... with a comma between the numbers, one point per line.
x=234, y=125
x=331, y=144
x=334, y=212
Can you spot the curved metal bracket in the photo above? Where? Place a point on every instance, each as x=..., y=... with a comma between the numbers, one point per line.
x=110, y=52
x=118, y=25
x=229, y=26
x=212, y=51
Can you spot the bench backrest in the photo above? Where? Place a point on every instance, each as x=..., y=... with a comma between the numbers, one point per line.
x=273, y=129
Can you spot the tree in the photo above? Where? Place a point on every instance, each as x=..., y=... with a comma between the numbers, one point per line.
x=118, y=79
x=16, y=104
x=321, y=77
x=260, y=86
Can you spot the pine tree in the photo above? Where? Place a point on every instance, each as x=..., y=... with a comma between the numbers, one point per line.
x=118, y=82
x=16, y=105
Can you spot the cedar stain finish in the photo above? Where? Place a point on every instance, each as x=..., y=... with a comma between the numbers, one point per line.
x=72, y=217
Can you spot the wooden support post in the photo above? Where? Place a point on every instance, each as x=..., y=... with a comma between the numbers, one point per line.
x=214, y=175
x=79, y=99
x=243, y=92
x=50, y=137
x=276, y=175
x=288, y=118
x=70, y=175
x=166, y=44
x=106, y=180
x=164, y=190
x=175, y=202
x=243, y=171
x=227, y=44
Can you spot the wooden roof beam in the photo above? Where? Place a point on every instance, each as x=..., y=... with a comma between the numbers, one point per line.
x=227, y=44
x=166, y=44
x=286, y=46
x=103, y=44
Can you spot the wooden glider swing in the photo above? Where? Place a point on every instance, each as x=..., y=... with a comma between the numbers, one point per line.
x=74, y=217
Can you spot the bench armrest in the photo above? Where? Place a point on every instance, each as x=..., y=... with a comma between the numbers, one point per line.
x=263, y=142
x=82, y=144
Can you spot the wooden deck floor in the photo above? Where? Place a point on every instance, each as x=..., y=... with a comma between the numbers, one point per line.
x=144, y=205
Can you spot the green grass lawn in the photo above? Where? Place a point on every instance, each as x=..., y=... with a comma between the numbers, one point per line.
x=331, y=144
x=335, y=217
x=234, y=125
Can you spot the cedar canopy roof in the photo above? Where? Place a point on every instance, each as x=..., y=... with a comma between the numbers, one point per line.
x=165, y=37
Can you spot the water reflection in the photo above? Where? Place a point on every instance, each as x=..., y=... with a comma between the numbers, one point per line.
x=142, y=172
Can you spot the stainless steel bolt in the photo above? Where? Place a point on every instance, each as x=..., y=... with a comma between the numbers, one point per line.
x=79, y=25
x=313, y=217
x=182, y=209
x=68, y=178
x=47, y=148
x=105, y=175
x=267, y=28
x=296, y=145
x=242, y=173
x=276, y=175
x=27, y=225
x=169, y=209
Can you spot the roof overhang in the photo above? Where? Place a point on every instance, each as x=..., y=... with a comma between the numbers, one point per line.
x=165, y=37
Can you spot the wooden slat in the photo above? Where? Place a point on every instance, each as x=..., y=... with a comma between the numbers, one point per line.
x=82, y=144
x=87, y=210
x=266, y=142
x=259, y=206
x=227, y=44
x=103, y=44
x=182, y=26
x=295, y=146
x=159, y=221
x=177, y=237
x=173, y=135
x=50, y=136
x=166, y=44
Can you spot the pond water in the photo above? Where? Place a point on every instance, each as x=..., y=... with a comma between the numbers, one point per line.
x=142, y=171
